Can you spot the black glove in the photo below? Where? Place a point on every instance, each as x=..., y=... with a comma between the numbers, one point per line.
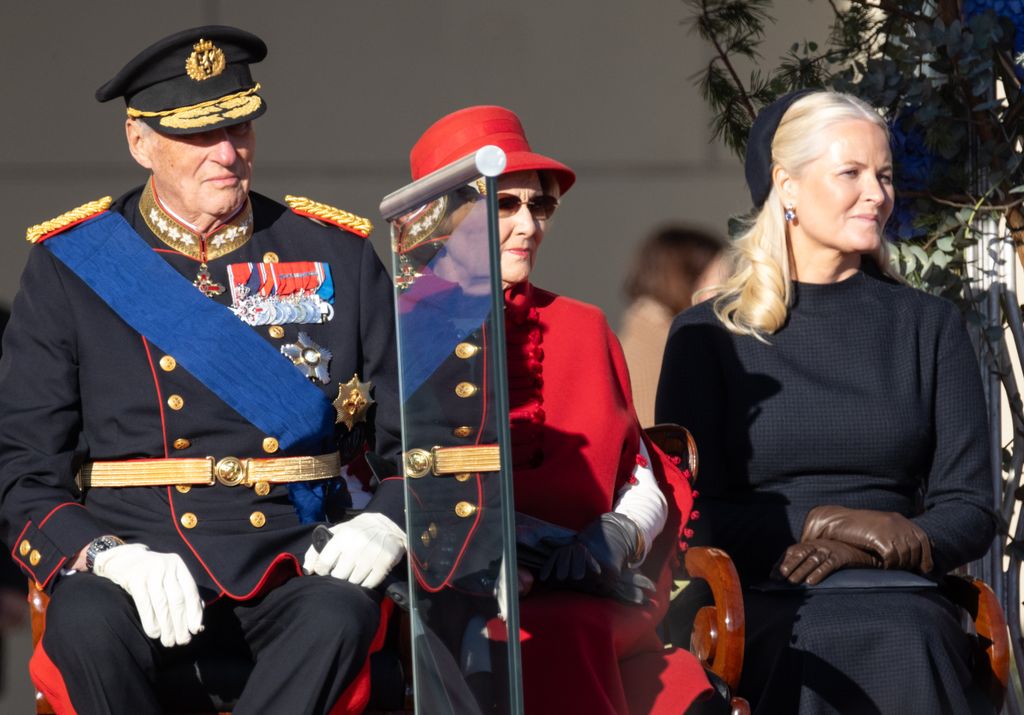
x=811, y=561
x=603, y=547
x=895, y=539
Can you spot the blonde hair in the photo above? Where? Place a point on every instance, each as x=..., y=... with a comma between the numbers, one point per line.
x=755, y=299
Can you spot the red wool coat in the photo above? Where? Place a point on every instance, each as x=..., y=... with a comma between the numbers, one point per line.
x=575, y=442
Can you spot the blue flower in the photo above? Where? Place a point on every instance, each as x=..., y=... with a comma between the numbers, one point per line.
x=1011, y=9
x=915, y=170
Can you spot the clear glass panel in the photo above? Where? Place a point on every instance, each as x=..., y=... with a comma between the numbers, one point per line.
x=451, y=382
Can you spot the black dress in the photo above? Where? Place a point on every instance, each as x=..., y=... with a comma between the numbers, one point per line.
x=868, y=397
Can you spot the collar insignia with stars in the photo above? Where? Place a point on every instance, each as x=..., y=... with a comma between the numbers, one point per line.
x=353, y=401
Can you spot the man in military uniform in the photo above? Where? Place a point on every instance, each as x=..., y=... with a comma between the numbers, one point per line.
x=167, y=434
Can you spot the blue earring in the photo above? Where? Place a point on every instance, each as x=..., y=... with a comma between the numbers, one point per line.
x=790, y=214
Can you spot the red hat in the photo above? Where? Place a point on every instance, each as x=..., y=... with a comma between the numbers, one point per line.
x=462, y=132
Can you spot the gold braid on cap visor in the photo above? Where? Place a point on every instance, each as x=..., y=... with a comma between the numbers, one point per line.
x=231, y=106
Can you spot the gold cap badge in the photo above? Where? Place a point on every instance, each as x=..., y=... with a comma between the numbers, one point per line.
x=353, y=401
x=207, y=60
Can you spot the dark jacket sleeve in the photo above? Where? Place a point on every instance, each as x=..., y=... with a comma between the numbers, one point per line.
x=41, y=517
x=958, y=516
x=691, y=392
x=380, y=362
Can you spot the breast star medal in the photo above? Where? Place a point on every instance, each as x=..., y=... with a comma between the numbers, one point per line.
x=353, y=401
x=309, y=357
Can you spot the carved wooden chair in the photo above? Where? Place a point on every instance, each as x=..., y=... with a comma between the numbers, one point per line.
x=718, y=631
x=979, y=602
x=716, y=639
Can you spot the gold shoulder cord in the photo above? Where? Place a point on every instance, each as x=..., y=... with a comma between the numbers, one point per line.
x=34, y=233
x=315, y=209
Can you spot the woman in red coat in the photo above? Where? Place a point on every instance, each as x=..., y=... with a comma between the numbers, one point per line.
x=579, y=461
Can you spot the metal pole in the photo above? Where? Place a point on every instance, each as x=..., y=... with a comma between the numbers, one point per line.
x=501, y=406
x=427, y=188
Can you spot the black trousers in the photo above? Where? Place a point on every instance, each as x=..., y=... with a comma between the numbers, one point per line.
x=305, y=642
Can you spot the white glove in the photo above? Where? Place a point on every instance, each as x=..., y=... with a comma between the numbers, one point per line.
x=363, y=550
x=642, y=501
x=164, y=591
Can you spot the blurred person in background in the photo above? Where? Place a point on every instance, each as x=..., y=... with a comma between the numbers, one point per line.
x=672, y=264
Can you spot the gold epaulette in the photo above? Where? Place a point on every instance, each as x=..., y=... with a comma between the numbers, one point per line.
x=336, y=217
x=44, y=230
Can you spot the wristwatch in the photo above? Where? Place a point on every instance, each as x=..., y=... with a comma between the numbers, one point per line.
x=98, y=546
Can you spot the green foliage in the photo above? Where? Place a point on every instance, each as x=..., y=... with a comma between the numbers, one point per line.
x=933, y=69
x=946, y=74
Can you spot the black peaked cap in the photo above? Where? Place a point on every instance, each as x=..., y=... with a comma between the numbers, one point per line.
x=164, y=83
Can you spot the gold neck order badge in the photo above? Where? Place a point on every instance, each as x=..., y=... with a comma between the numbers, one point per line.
x=353, y=401
x=234, y=234
x=207, y=60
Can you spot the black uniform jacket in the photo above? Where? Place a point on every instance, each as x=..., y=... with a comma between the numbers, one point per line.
x=77, y=383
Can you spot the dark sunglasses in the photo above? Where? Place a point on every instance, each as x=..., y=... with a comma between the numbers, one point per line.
x=540, y=207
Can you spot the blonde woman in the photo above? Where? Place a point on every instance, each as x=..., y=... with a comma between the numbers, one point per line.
x=842, y=431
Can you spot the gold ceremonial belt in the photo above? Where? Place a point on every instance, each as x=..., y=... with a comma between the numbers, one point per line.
x=229, y=471
x=452, y=460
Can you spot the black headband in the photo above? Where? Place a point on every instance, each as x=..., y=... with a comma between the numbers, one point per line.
x=758, y=163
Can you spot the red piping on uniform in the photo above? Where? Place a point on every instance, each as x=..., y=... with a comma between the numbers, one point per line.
x=52, y=573
x=224, y=592
x=48, y=681
x=54, y=511
x=159, y=397
x=64, y=228
x=350, y=229
x=176, y=253
x=14, y=549
x=479, y=485
x=356, y=695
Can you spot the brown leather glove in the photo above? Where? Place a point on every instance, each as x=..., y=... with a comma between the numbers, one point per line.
x=811, y=561
x=895, y=539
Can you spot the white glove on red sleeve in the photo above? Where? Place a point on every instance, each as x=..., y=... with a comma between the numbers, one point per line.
x=164, y=591
x=363, y=550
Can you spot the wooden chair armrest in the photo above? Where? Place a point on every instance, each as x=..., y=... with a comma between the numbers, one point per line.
x=718, y=631
x=980, y=602
x=676, y=441
x=37, y=603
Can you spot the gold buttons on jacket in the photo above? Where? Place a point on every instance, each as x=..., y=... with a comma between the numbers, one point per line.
x=262, y=488
x=35, y=557
x=463, y=431
x=257, y=519
x=276, y=331
x=464, y=509
x=463, y=477
x=184, y=488
x=466, y=389
x=175, y=402
x=189, y=520
x=429, y=535
x=270, y=257
x=182, y=443
x=270, y=445
x=167, y=363
x=24, y=547
x=466, y=350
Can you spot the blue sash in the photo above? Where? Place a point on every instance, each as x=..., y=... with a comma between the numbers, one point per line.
x=227, y=356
